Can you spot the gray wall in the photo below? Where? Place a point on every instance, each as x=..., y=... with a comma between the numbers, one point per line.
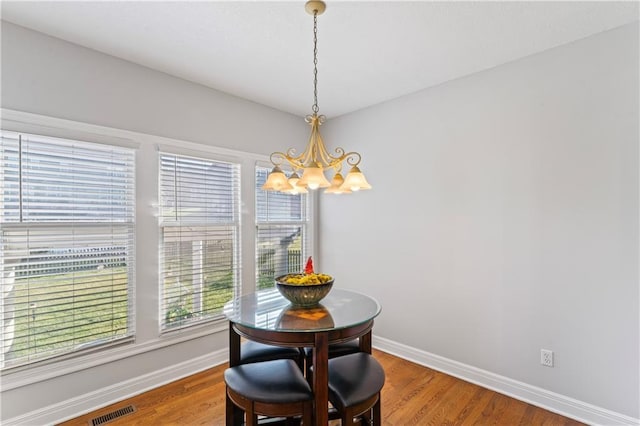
x=47, y=76
x=504, y=219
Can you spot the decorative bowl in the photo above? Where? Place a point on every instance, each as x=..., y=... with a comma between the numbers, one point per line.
x=303, y=294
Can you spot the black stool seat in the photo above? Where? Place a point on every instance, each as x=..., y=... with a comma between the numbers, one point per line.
x=257, y=352
x=355, y=382
x=271, y=388
x=279, y=381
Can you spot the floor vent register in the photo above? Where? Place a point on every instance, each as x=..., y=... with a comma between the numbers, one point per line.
x=105, y=418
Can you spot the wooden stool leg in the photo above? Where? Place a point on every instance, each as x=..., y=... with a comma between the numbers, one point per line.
x=230, y=409
x=251, y=418
x=307, y=414
x=233, y=414
x=377, y=412
x=366, y=418
x=347, y=417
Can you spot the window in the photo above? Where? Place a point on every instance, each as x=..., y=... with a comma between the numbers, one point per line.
x=282, y=232
x=199, y=225
x=66, y=246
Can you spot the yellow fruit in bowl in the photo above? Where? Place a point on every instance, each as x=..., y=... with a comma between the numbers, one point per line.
x=305, y=279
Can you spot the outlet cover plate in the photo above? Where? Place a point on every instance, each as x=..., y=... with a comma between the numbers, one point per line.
x=546, y=357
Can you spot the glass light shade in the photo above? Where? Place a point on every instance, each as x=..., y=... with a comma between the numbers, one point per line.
x=297, y=189
x=313, y=178
x=355, y=180
x=336, y=183
x=294, y=180
x=277, y=181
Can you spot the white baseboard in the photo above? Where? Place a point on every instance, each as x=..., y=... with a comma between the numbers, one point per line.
x=560, y=404
x=92, y=401
x=551, y=401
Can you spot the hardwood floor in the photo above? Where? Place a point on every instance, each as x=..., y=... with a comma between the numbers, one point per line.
x=412, y=395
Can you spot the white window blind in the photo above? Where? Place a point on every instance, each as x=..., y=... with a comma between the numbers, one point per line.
x=67, y=267
x=200, y=225
x=282, y=232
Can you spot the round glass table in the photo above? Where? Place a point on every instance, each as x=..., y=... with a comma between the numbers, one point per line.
x=267, y=317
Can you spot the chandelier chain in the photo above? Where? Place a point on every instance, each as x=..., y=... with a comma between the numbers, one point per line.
x=315, y=108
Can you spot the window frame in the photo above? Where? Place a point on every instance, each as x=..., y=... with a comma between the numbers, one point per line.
x=126, y=231
x=148, y=339
x=236, y=224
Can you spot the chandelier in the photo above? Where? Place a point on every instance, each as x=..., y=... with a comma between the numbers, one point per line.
x=316, y=159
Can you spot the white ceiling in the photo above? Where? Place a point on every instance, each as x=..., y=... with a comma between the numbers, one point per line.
x=368, y=52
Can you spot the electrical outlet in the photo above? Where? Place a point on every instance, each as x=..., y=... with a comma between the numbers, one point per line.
x=546, y=357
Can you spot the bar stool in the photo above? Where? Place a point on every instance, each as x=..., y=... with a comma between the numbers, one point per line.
x=271, y=388
x=355, y=382
x=251, y=352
